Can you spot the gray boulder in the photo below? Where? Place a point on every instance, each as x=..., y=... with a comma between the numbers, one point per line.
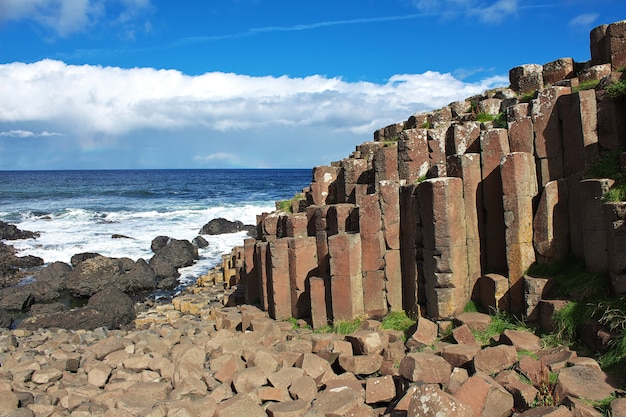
x=79, y=257
x=11, y=232
x=48, y=285
x=100, y=272
x=169, y=256
x=221, y=226
x=108, y=308
x=6, y=320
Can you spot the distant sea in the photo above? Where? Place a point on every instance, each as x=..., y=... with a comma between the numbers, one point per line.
x=80, y=211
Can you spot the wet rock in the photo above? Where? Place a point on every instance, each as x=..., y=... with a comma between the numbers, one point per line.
x=98, y=273
x=80, y=257
x=171, y=254
x=108, y=308
x=221, y=226
x=11, y=232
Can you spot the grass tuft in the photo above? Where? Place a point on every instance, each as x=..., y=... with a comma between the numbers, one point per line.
x=586, y=85
x=617, y=90
x=347, y=327
x=287, y=205
x=397, y=320
x=527, y=97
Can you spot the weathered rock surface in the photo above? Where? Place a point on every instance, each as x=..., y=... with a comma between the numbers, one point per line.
x=100, y=272
x=109, y=308
x=221, y=226
x=181, y=363
x=169, y=255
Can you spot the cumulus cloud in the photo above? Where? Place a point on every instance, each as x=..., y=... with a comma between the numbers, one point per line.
x=27, y=134
x=114, y=101
x=65, y=17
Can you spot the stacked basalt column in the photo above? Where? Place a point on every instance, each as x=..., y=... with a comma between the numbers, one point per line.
x=441, y=209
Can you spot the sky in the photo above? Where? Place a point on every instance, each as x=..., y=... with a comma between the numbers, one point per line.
x=145, y=84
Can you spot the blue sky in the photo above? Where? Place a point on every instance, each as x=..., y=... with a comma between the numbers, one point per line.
x=119, y=84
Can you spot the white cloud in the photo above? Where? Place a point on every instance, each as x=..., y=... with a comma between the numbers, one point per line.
x=486, y=11
x=219, y=156
x=114, y=101
x=66, y=17
x=584, y=20
x=27, y=134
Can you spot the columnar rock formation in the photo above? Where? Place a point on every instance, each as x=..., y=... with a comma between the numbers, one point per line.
x=446, y=206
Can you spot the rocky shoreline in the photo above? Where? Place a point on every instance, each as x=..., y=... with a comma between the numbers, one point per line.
x=196, y=357
x=48, y=295
x=205, y=353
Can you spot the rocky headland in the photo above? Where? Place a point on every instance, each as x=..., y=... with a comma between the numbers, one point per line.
x=443, y=209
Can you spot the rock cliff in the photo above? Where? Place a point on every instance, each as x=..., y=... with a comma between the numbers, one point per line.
x=455, y=204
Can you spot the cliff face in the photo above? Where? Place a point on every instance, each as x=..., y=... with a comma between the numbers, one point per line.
x=455, y=204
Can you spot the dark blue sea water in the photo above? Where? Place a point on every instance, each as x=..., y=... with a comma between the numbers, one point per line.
x=79, y=211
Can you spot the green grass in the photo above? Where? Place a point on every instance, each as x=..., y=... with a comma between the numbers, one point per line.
x=608, y=166
x=499, y=121
x=590, y=298
x=499, y=323
x=287, y=205
x=347, y=327
x=397, y=320
x=421, y=178
x=586, y=85
x=527, y=353
x=617, y=90
x=485, y=117
x=473, y=307
x=527, y=97
x=425, y=125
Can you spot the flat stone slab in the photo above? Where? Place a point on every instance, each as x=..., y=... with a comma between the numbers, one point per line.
x=583, y=382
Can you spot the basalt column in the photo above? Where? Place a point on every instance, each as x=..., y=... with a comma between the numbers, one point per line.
x=578, y=113
x=442, y=211
x=493, y=144
x=551, y=223
x=261, y=259
x=410, y=233
x=302, y=266
x=390, y=207
x=352, y=179
x=413, y=161
x=593, y=227
x=251, y=272
x=346, y=276
x=548, y=134
x=373, y=252
x=519, y=188
x=278, y=282
x=324, y=185
x=467, y=167
x=615, y=221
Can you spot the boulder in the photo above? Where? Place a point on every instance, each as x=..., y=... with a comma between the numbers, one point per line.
x=168, y=257
x=429, y=401
x=11, y=232
x=425, y=368
x=200, y=242
x=221, y=226
x=48, y=285
x=80, y=257
x=583, y=382
x=10, y=265
x=108, y=308
x=6, y=320
x=485, y=396
x=98, y=273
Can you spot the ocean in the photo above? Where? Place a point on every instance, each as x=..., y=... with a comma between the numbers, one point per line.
x=80, y=211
